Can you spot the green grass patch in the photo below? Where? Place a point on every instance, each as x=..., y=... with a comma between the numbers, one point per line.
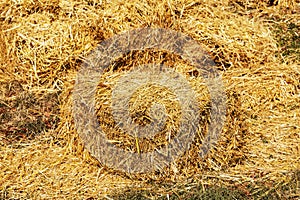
x=287, y=35
x=265, y=190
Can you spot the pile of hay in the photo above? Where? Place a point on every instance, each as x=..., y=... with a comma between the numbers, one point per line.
x=44, y=43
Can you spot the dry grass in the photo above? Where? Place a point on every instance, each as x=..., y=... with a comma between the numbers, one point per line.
x=254, y=43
